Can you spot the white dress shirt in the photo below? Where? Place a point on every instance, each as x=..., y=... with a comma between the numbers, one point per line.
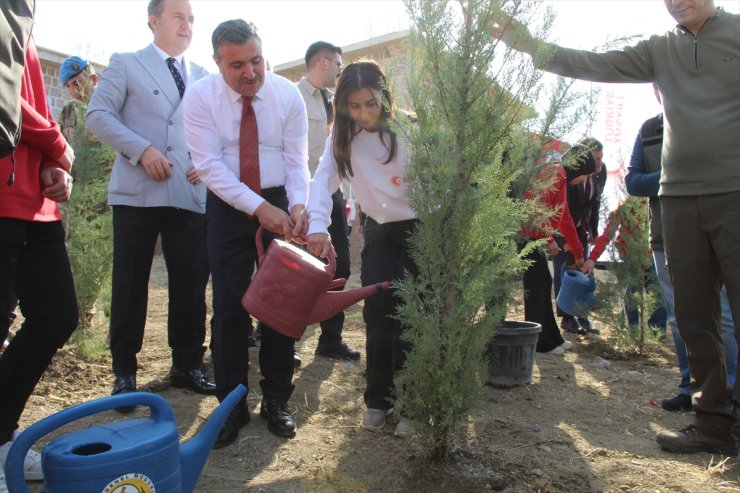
x=380, y=188
x=212, y=118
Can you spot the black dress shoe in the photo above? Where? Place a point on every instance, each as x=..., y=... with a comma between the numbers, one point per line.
x=337, y=350
x=279, y=420
x=587, y=325
x=681, y=402
x=570, y=324
x=195, y=380
x=296, y=360
x=238, y=418
x=123, y=385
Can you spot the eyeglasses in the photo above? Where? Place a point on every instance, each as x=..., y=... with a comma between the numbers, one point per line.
x=339, y=64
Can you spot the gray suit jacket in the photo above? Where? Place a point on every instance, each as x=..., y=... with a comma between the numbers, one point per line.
x=135, y=105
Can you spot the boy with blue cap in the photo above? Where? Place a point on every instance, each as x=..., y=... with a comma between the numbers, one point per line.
x=78, y=77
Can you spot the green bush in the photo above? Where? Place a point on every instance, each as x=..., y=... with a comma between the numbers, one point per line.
x=474, y=151
x=90, y=234
x=631, y=264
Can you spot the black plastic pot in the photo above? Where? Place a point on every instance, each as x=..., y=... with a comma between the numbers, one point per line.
x=511, y=353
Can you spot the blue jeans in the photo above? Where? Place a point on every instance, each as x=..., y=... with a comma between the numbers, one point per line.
x=657, y=320
x=728, y=328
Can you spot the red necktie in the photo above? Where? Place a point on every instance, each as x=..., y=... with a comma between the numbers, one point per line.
x=249, y=156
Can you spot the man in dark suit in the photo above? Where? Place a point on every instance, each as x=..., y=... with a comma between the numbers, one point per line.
x=154, y=191
x=584, y=202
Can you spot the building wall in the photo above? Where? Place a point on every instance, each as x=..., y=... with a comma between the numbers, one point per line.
x=390, y=51
x=55, y=93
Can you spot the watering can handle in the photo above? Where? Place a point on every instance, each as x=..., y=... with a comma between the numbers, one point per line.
x=331, y=267
x=160, y=411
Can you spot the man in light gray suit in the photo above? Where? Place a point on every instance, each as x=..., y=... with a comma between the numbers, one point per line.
x=154, y=190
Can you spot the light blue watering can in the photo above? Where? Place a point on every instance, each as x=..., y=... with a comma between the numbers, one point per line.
x=577, y=292
x=140, y=455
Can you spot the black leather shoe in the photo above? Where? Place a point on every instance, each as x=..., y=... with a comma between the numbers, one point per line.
x=587, y=325
x=238, y=418
x=570, y=324
x=123, y=385
x=296, y=360
x=195, y=380
x=681, y=402
x=279, y=420
x=337, y=350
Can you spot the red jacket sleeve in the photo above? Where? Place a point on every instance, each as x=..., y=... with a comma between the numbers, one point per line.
x=564, y=220
x=41, y=133
x=38, y=127
x=611, y=228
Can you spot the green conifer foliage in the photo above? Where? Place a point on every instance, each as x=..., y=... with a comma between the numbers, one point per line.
x=89, y=227
x=470, y=142
x=631, y=266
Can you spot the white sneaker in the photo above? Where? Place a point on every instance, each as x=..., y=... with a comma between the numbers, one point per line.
x=557, y=350
x=404, y=428
x=374, y=419
x=567, y=345
x=31, y=464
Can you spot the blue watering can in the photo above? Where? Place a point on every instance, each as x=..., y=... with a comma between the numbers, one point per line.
x=577, y=292
x=137, y=455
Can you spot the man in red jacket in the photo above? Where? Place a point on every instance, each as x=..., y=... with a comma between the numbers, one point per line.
x=33, y=258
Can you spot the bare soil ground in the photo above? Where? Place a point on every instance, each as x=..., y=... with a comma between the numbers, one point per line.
x=582, y=425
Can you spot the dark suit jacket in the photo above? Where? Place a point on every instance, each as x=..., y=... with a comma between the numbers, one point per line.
x=587, y=211
x=599, y=182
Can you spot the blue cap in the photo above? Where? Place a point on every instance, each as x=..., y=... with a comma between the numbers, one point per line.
x=71, y=67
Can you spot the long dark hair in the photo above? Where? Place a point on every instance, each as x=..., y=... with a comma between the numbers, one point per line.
x=363, y=74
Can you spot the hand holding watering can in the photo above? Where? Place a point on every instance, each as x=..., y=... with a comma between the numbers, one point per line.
x=291, y=289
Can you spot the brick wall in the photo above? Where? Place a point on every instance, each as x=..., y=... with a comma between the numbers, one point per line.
x=56, y=95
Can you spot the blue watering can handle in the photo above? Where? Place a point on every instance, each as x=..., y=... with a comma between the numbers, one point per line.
x=160, y=411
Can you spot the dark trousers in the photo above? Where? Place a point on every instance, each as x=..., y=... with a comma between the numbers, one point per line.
x=232, y=254
x=385, y=257
x=331, y=329
x=702, y=246
x=34, y=267
x=538, y=301
x=135, y=231
x=565, y=258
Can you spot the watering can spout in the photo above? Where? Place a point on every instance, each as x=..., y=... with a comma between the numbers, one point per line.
x=194, y=453
x=330, y=303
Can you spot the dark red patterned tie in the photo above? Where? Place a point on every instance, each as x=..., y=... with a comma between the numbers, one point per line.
x=249, y=156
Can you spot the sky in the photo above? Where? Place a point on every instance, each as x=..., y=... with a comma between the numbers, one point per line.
x=95, y=29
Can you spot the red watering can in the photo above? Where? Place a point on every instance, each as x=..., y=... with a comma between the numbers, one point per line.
x=291, y=289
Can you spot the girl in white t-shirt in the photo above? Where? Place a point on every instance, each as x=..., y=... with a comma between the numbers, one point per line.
x=365, y=150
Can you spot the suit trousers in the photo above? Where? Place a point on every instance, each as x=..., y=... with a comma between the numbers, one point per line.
x=331, y=329
x=135, y=231
x=34, y=267
x=233, y=254
x=702, y=247
x=385, y=257
x=537, y=283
